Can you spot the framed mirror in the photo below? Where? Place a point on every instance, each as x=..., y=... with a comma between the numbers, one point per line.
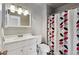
x=19, y=18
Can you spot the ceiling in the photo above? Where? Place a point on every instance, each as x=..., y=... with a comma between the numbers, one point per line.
x=55, y=5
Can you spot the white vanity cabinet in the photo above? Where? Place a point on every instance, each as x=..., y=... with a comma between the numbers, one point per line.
x=24, y=47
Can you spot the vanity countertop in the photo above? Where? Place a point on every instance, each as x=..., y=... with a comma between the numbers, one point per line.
x=16, y=39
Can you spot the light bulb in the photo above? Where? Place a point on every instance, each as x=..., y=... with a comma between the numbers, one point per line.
x=19, y=10
x=26, y=12
x=12, y=8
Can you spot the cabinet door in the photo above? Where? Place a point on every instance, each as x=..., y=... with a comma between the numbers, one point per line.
x=30, y=49
x=17, y=51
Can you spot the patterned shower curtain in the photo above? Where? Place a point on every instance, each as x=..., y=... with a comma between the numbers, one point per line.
x=51, y=32
x=63, y=32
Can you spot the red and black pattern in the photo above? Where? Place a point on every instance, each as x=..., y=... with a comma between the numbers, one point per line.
x=67, y=23
x=63, y=41
x=51, y=32
x=61, y=34
x=77, y=26
x=66, y=32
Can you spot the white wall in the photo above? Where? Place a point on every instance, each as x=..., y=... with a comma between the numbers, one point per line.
x=39, y=21
x=44, y=23
x=0, y=24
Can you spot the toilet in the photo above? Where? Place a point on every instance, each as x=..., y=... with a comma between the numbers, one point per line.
x=42, y=48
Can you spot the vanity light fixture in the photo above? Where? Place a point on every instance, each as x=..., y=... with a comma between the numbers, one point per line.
x=19, y=11
x=12, y=8
x=26, y=12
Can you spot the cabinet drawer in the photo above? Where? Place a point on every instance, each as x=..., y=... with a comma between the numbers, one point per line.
x=30, y=42
x=14, y=45
x=30, y=47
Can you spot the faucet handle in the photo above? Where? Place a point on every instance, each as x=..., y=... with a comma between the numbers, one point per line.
x=20, y=35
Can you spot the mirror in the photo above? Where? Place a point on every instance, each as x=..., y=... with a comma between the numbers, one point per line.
x=17, y=18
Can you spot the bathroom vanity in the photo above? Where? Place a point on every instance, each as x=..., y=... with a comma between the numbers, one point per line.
x=14, y=44
x=21, y=45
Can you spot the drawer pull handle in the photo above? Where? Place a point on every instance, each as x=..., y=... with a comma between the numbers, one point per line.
x=30, y=48
x=21, y=50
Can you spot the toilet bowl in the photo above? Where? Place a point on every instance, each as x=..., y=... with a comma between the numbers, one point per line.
x=42, y=48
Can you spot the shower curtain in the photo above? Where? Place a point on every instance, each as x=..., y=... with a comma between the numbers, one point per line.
x=63, y=32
